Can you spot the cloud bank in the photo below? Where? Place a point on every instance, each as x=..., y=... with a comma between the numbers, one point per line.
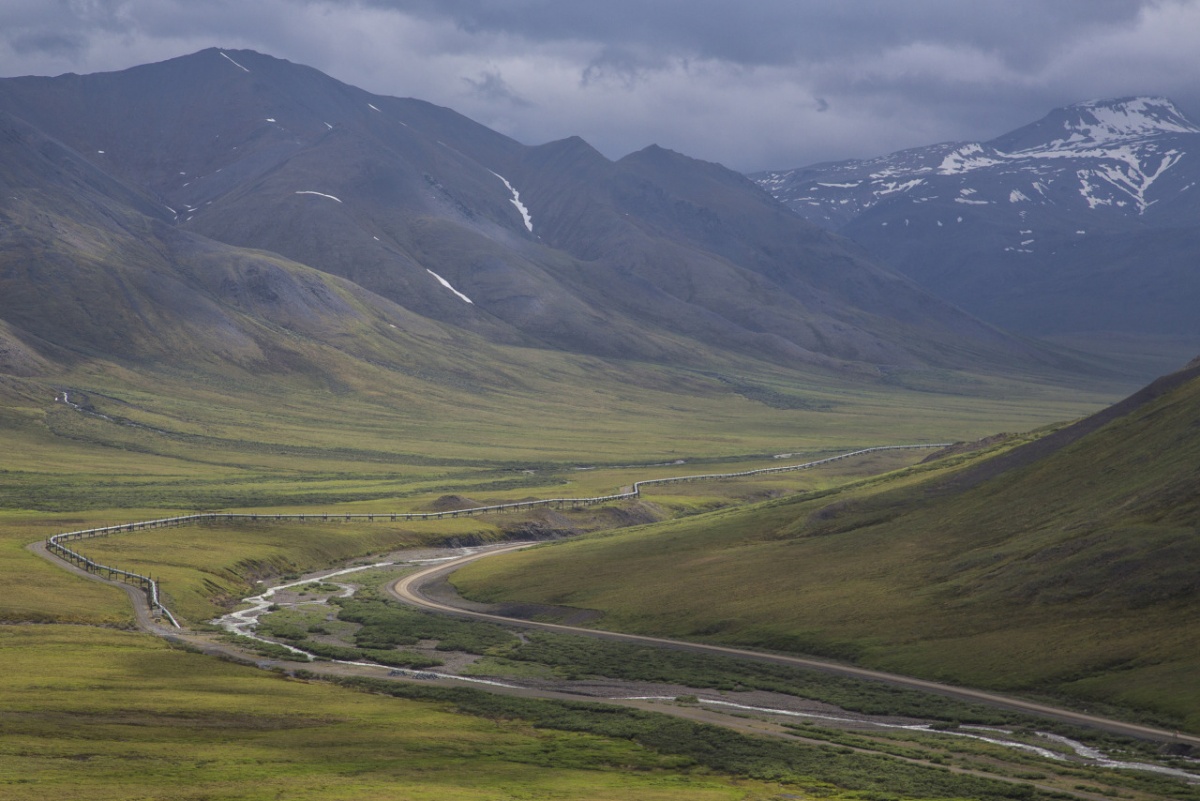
x=761, y=84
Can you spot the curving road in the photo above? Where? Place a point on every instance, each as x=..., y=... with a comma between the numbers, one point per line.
x=409, y=590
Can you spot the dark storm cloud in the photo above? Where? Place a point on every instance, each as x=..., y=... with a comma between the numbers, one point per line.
x=60, y=27
x=55, y=43
x=772, y=32
x=492, y=86
x=757, y=84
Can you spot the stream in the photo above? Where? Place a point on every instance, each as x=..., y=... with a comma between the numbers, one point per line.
x=244, y=622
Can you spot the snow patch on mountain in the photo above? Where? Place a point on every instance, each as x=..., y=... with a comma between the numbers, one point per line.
x=1106, y=121
x=320, y=194
x=447, y=284
x=891, y=187
x=967, y=158
x=516, y=201
x=239, y=66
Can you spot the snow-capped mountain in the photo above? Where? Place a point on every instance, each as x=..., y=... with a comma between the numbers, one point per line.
x=1116, y=154
x=967, y=218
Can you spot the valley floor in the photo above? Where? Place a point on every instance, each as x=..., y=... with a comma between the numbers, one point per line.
x=1016, y=749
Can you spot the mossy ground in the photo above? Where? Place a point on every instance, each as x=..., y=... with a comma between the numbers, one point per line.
x=100, y=714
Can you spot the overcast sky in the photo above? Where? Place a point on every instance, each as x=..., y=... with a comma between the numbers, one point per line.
x=753, y=84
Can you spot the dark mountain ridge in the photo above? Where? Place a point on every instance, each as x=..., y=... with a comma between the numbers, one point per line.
x=656, y=256
x=90, y=268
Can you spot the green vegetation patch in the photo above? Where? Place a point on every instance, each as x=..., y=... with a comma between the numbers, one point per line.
x=574, y=656
x=205, y=568
x=386, y=624
x=820, y=770
x=98, y=715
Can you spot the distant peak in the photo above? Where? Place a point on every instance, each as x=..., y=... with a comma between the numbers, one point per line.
x=1132, y=116
x=1098, y=123
x=572, y=144
x=569, y=143
x=576, y=141
x=662, y=155
x=1138, y=104
x=572, y=151
x=650, y=152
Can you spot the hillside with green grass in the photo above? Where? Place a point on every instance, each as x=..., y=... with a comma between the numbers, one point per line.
x=1065, y=566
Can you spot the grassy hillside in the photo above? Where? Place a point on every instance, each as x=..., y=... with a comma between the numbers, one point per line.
x=1069, y=571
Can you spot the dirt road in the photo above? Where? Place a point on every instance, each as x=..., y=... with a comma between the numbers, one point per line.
x=409, y=589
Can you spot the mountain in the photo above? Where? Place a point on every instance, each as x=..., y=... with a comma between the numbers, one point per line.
x=1064, y=564
x=93, y=268
x=1086, y=220
x=657, y=256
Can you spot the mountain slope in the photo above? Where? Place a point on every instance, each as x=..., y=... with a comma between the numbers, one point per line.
x=1046, y=229
x=91, y=270
x=655, y=257
x=1065, y=565
x=455, y=331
